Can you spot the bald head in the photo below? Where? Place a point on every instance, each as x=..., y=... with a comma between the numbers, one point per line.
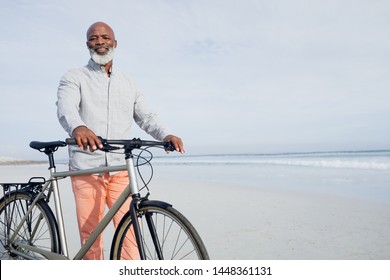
x=100, y=26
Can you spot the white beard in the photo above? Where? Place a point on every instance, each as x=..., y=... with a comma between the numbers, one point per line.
x=102, y=59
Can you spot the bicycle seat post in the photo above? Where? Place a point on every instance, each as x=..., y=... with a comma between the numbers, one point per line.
x=49, y=151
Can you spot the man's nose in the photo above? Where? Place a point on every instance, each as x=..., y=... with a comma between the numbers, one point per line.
x=99, y=41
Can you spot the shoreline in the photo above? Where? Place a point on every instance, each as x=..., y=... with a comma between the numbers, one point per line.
x=21, y=162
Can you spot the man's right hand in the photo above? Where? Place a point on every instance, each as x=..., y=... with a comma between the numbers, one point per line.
x=85, y=137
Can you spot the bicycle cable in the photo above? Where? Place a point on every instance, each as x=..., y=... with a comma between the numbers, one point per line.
x=139, y=157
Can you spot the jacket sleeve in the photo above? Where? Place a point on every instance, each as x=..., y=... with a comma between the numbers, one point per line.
x=147, y=120
x=68, y=103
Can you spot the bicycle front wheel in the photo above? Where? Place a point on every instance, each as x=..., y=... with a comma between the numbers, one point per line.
x=166, y=234
x=38, y=230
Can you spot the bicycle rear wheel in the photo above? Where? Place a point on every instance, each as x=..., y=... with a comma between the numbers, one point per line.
x=39, y=229
x=174, y=239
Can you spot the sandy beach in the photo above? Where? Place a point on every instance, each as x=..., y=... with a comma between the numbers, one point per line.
x=265, y=212
x=285, y=213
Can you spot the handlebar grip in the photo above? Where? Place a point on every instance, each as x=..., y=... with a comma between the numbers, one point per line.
x=70, y=141
x=168, y=146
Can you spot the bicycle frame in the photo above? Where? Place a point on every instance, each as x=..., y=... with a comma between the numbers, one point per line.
x=132, y=189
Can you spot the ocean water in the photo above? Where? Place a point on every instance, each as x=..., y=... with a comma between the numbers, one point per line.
x=363, y=174
x=369, y=160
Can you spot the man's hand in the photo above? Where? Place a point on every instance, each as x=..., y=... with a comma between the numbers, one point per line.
x=85, y=137
x=176, y=141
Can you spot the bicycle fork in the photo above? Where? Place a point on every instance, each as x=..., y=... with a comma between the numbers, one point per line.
x=134, y=209
x=153, y=233
x=137, y=232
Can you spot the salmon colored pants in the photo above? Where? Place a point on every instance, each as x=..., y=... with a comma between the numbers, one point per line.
x=92, y=193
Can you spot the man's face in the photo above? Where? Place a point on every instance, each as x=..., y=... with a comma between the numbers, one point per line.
x=100, y=38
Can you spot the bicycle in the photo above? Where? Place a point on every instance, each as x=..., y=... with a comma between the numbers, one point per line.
x=30, y=230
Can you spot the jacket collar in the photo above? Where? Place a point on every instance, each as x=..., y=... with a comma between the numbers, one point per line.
x=97, y=67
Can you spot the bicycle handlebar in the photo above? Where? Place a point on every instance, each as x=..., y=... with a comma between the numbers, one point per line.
x=135, y=143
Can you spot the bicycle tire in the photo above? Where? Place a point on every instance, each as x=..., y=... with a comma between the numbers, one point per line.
x=178, y=238
x=39, y=229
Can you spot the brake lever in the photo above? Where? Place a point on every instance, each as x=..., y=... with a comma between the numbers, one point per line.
x=107, y=147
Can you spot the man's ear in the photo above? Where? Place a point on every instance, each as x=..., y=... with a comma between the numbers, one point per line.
x=115, y=43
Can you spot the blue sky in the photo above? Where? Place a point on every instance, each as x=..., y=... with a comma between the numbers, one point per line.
x=226, y=75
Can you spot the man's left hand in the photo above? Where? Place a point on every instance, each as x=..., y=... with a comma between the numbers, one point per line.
x=176, y=141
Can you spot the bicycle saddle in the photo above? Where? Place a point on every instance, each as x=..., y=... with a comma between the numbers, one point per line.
x=47, y=145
